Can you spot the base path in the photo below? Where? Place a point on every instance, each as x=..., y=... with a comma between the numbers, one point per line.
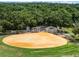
x=35, y=40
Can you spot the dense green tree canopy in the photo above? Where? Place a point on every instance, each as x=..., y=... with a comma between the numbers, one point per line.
x=16, y=16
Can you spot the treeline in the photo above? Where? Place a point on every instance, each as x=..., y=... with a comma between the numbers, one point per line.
x=17, y=16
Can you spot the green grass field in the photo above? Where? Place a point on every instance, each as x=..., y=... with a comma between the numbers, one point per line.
x=71, y=49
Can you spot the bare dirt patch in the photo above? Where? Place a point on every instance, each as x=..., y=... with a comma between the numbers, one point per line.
x=35, y=40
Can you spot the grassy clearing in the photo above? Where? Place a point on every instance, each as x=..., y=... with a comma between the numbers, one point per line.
x=71, y=49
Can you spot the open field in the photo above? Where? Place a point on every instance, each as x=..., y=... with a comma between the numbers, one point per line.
x=71, y=49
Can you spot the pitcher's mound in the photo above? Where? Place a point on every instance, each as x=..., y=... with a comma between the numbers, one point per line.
x=35, y=40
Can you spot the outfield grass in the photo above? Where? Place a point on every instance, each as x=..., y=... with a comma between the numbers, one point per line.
x=71, y=49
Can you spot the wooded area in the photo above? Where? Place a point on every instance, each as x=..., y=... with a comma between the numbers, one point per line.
x=17, y=16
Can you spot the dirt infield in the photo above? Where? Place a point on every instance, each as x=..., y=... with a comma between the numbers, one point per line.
x=35, y=40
